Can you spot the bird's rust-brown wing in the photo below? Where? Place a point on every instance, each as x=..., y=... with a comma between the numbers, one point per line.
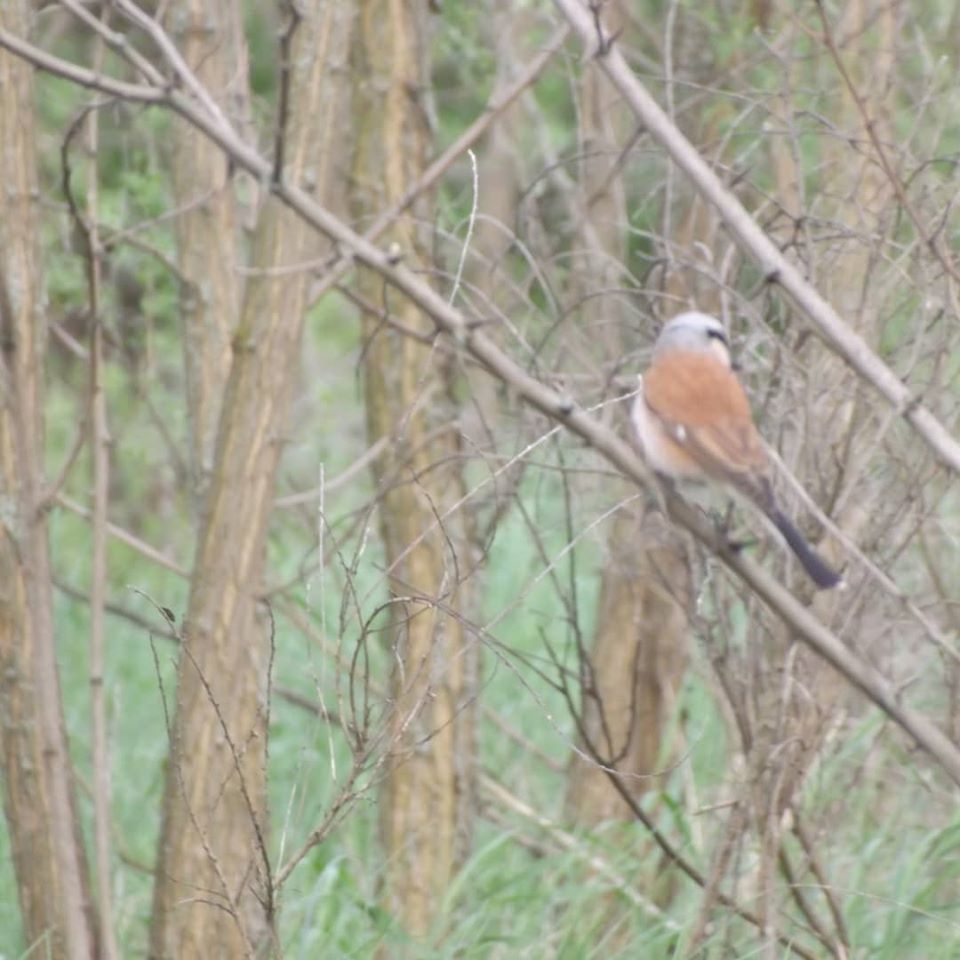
x=705, y=411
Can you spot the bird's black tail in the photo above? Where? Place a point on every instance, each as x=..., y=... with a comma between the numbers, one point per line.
x=818, y=570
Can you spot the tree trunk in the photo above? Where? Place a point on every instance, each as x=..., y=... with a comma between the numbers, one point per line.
x=636, y=667
x=498, y=175
x=427, y=801
x=209, y=34
x=39, y=795
x=213, y=896
x=639, y=650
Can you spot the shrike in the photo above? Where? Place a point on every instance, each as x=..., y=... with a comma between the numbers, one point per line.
x=694, y=423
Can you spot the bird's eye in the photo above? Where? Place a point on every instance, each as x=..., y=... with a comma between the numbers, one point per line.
x=714, y=333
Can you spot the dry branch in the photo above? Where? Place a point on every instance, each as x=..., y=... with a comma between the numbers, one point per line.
x=99, y=442
x=39, y=798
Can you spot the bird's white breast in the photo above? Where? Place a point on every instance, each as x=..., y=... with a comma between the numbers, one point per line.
x=658, y=448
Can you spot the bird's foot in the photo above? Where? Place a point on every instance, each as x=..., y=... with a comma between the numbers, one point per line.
x=723, y=524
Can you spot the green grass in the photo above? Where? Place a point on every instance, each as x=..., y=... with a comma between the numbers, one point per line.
x=895, y=863
x=897, y=876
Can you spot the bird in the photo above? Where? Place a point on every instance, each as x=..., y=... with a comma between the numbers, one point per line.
x=693, y=421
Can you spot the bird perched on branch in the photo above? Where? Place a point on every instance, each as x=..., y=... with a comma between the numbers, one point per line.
x=694, y=422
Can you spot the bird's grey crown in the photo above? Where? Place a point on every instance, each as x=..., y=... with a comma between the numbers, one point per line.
x=691, y=331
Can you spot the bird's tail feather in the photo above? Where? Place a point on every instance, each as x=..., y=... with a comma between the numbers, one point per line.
x=822, y=575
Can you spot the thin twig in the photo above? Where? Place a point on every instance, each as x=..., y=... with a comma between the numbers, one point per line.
x=624, y=885
x=934, y=241
x=49, y=496
x=681, y=862
x=117, y=42
x=828, y=891
x=839, y=949
x=99, y=439
x=130, y=539
x=668, y=90
x=491, y=112
x=235, y=755
x=733, y=834
x=286, y=73
x=335, y=812
x=172, y=55
x=471, y=222
x=225, y=901
x=340, y=480
x=122, y=612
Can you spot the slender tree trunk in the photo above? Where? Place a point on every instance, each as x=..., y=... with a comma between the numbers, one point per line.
x=636, y=666
x=639, y=650
x=498, y=175
x=39, y=795
x=209, y=34
x=213, y=895
x=427, y=801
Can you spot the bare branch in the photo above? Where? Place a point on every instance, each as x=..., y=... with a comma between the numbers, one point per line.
x=99, y=440
x=130, y=539
x=341, y=479
x=568, y=841
x=283, y=106
x=933, y=240
x=80, y=75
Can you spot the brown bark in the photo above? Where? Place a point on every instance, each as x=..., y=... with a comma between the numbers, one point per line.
x=602, y=134
x=39, y=796
x=213, y=894
x=209, y=35
x=99, y=441
x=427, y=799
x=636, y=666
